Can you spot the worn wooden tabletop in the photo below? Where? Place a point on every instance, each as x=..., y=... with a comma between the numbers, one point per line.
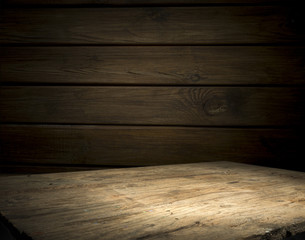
x=216, y=200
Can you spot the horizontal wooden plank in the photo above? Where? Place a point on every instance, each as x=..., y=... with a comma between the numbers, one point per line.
x=204, y=106
x=137, y=2
x=193, y=201
x=16, y=169
x=160, y=65
x=169, y=25
x=136, y=146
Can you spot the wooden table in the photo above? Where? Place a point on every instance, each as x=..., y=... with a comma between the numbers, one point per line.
x=216, y=200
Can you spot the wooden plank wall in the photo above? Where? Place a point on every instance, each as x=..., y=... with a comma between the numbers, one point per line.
x=90, y=83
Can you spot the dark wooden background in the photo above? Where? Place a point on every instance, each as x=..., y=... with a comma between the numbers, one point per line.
x=104, y=83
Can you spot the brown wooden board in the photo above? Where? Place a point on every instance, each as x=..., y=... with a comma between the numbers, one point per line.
x=183, y=65
x=136, y=146
x=138, y=2
x=17, y=169
x=168, y=25
x=204, y=106
x=215, y=201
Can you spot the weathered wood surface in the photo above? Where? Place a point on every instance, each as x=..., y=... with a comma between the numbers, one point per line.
x=168, y=25
x=65, y=45
x=167, y=65
x=138, y=2
x=139, y=146
x=218, y=200
x=205, y=106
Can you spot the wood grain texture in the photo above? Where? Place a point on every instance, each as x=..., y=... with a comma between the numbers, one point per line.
x=169, y=25
x=204, y=106
x=216, y=201
x=139, y=146
x=137, y=2
x=153, y=65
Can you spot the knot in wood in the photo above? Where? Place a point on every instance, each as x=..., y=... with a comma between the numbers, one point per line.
x=215, y=105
